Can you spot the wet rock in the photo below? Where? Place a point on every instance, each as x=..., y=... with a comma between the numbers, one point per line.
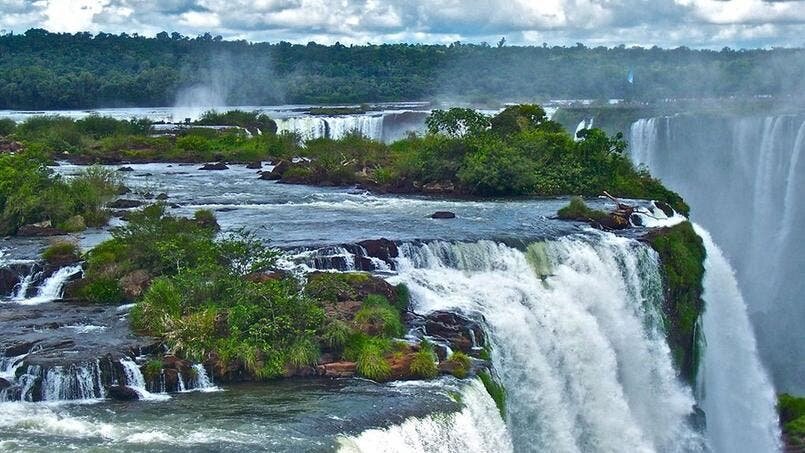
x=665, y=208
x=226, y=209
x=636, y=220
x=382, y=248
x=144, y=175
x=171, y=379
x=122, y=393
x=125, y=203
x=163, y=196
x=443, y=215
x=215, y=166
x=40, y=229
x=340, y=369
x=460, y=332
x=148, y=195
x=123, y=190
x=19, y=349
x=4, y=384
x=254, y=165
x=276, y=174
x=125, y=169
x=134, y=284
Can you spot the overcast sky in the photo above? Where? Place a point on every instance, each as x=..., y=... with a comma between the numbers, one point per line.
x=667, y=23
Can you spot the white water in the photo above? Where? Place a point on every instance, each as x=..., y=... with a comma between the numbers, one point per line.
x=581, y=353
x=72, y=382
x=136, y=380
x=476, y=428
x=335, y=127
x=203, y=381
x=743, y=180
x=51, y=288
x=736, y=393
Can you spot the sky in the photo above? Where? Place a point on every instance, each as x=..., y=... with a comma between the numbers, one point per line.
x=665, y=23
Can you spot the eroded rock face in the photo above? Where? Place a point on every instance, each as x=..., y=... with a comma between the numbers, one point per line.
x=382, y=248
x=122, y=393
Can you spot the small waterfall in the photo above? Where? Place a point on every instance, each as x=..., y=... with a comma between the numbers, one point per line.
x=22, y=287
x=51, y=288
x=583, y=124
x=742, y=178
x=581, y=352
x=335, y=127
x=136, y=380
x=736, y=395
x=202, y=381
x=477, y=428
x=81, y=381
x=180, y=382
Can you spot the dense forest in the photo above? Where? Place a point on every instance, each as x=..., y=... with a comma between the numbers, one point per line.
x=42, y=70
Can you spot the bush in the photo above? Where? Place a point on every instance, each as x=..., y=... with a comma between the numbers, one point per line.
x=460, y=364
x=378, y=317
x=62, y=252
x=336, y=334
x=152, y=369
x=578, y=210
x=423, y=365
x=103, y=290
x=7, y=126
x=371, y=364
x=303, y=352
x=792, y=417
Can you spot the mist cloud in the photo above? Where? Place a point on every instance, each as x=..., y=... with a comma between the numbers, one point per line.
x=667, y=23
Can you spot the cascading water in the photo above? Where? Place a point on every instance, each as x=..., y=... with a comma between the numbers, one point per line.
x=478, y=428
x=742, y=178
x=576, y=338
x=335, y=127
x=202, y=380
x=136, y=380
x=51, y=288
x=735, y=392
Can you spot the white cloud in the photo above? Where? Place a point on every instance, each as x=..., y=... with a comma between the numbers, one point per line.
x=696, y=23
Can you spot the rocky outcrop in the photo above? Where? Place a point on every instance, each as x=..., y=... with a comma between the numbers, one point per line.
x=460, y=332
x=122, y=393
x=125, y=203
x=276, y=174
x=214, y=166
x=41, y=229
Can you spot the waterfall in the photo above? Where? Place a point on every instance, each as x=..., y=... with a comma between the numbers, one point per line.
x=736, y=394
x=477, y=428
x=136, y=380
x=742, y=178
x=80, y=381
x=580, y=350
x=334, y=127
x=51, y=288
x=203, y=382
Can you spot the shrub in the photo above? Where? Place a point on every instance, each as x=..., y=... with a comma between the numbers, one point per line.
x=792, y=417
x=61, y=252
x=578, y=210
x=371, y=364
x=377, y=316
x=423, y=365
x=460, y=364
x=74, y=224
x=336, y=334
x=103, y=290
x=495, y=390
x=152, y=368
x=7, y=126
x=303, y=352
x=162, y=300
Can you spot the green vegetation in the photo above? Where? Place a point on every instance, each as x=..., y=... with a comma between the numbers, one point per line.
x=152, y=369
x=7, y=126
x=41, y=70
x=792, y=419
x=61, y=252
x=459, y=364
x=378, y=317
x=682, y=257
x=423, y=364
x=31, y=193
x=495, y=390
x=578, y=210
x=254, y=122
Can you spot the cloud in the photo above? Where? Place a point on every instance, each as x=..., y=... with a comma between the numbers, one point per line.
x=695, y=23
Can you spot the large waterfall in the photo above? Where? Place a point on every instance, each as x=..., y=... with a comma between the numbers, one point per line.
x=743, y=180
x=576, y=338
x=382, y=126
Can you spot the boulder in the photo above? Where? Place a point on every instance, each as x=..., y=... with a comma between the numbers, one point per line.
x=382, y=248
x=339, y=369
x=124, y=203
x=665, y=208
x=4, y=384
x=443, y=215
x=162, y=196
x=254, y=165
x=19, y=349
x=276, y=174
x=123, y=190
x=125, y=169
x=122, y=393
x=215, y=166
x=134, y=284
x=40, y=229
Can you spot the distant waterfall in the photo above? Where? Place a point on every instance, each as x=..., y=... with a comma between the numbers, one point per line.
x=743, y=178
x=576, y=339
x=311, y=127
x=736, y=393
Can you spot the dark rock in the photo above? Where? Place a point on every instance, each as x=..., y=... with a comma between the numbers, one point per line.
x=163, y=196
x=254, y=165
x=148, y=196
x=125, y=169
x=40, y=229
x=215, y=166
x=19, y=349
x=226, y=209
x=4, y=384
x=276, y=174
x=382, y=248
x=123, y=190
x=443, y=215
x=174, y=205
x=636, y=219
x=171, y=379
x=122, y=393
x=460, y=332
x=124, y=203
x=144, y=175
x=665, y=208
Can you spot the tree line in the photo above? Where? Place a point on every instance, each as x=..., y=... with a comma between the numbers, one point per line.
x=43, y=70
